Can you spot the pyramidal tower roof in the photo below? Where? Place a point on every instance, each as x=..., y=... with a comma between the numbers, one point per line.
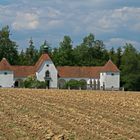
x=110, y=67
x=4, y=64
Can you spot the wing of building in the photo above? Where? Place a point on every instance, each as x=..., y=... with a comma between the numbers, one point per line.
x=101, y=77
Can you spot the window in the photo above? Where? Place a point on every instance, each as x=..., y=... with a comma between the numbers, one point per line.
x=5, y=73
x=47, y=65
x=47, y=74
x=112, y=74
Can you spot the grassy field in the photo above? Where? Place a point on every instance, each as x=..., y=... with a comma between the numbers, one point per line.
x=69, y=115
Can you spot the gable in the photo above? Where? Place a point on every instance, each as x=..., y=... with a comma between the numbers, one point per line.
x=4, y=65
x=42, y=59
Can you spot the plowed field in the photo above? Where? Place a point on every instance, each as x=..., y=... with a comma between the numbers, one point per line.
x=69, y=115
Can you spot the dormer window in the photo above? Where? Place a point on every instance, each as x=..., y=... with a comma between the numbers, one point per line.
x=47, y=74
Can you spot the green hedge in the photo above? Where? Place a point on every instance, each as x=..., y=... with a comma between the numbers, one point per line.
x=74, y=84
x=32, y=82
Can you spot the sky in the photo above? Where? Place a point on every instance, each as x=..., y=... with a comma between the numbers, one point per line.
x=116, y=22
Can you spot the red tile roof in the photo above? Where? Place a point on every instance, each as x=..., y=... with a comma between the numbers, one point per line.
x=110, y=67
x=86, y=72
x=23, y=71
x=79, y=72
x=65, y=71
x=4, y=65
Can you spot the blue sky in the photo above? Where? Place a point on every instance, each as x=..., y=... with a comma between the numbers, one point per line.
x=113, y=21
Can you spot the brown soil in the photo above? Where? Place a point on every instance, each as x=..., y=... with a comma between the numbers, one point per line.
x=69, y=115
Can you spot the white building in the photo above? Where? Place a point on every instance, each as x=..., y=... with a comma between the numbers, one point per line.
x=104, y=77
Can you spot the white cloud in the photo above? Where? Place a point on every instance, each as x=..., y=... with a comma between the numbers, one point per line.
x=52, y=13
x=54, y=24
x=25, y=21
x=117, y=42
x=104, y=18
x=107, y=21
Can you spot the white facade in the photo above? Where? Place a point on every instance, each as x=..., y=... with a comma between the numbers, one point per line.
x=6, y=78
x=48, y=66
x=110, y=80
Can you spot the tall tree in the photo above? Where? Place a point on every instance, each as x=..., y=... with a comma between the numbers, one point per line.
x=130, y=68
x=22, y=58
x=89, y=40
x=83, y=52
x=31, y=53
x=112, y=54
x=64, y=55
x=118, y=57
x=91, y=52
x=8, y=48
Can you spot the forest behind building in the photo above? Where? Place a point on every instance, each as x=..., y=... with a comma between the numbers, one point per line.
x=90, y=52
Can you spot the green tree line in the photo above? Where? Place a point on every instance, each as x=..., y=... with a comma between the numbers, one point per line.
x=90, y=52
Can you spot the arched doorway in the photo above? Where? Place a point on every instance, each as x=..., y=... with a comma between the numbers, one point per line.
x=47, y=79
x=61, y=83
x=18, y=83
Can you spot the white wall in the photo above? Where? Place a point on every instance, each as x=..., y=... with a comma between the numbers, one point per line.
x=110, y=80
x=6, y=80
x=40, y=74
x=78, y=79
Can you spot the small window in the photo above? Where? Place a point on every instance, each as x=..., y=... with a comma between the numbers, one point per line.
x=5, y=73
x=112, y=74
x=47, y=65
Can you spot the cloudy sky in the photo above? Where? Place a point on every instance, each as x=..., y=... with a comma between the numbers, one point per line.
x=113, y=21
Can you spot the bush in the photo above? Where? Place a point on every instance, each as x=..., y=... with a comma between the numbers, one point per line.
x=32, y=82
x=74, y=84
x=83, y=84
x=41, y=84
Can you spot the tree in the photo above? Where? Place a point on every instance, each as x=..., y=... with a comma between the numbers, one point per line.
x=118, y=57
x=8, y=48
x=83, y=52
x=100, y=53
x=31, y=54
x=81, y=55
x=130, y=68
x=63, y=56
x=112, y=54
x=91, y=52
x=22, y=58
x=89, y=40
